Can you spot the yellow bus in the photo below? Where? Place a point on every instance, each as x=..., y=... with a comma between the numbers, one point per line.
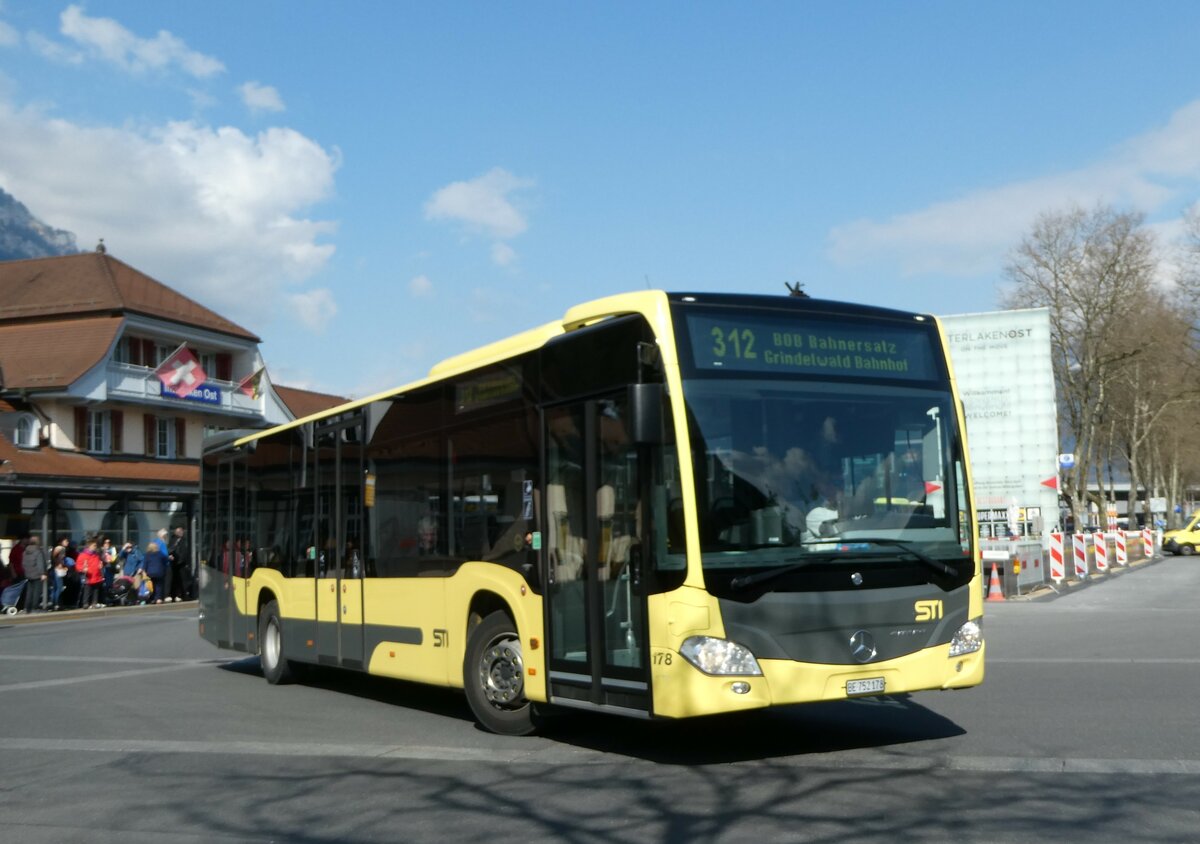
x=662, y=505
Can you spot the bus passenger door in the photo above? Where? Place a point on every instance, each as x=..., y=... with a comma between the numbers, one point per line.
x=218, y=599
x=596, y=606
x=338, y=547
x=242, y=618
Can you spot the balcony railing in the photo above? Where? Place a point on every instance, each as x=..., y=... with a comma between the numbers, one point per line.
x=138, y=383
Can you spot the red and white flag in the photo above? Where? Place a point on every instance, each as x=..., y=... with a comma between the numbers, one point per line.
x=251, y=385
x=181, y=373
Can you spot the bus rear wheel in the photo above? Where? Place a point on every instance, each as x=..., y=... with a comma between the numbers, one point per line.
x=275, y=667
x=494, y=677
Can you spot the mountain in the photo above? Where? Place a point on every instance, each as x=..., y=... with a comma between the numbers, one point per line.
x=24, y=236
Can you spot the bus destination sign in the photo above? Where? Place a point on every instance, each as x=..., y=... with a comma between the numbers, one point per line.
x=778, y=344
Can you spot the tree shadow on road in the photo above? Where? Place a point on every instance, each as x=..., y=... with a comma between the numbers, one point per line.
x=762, y=734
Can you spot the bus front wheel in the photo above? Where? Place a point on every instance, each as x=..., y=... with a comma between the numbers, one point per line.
x=494, y=677
x=275, y=667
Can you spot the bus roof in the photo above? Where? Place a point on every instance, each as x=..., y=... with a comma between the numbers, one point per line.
x=654, y=304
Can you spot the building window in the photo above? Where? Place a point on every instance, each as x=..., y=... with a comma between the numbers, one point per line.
x=27, y=431
x=98, y=437
x=164, y=441
x=166, y=437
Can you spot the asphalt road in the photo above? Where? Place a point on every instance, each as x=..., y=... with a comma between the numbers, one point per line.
x=128, y=727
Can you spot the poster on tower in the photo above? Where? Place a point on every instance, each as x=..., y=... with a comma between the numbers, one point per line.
x=1003, y=367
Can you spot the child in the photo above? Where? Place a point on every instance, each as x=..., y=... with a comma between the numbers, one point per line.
x=58, y=561
x=91, y=571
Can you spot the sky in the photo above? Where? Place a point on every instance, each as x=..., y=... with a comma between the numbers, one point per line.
x=372, y=187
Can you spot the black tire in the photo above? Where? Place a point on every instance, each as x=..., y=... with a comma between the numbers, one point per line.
x=275, y=666
x=1187, y=550
x=494, y=678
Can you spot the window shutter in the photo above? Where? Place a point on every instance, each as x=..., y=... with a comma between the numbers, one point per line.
x=117, y=419
x=81, y=428
x=147, y=352
x=151, y=426
x=224, y=367
x=180, y=436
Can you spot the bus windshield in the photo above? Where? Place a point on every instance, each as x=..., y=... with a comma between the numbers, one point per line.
x=787, y=468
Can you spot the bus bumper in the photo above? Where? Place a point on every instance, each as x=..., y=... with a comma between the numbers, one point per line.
x=689, y=692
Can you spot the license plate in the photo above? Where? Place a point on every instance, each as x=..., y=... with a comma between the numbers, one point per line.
x=873, y=686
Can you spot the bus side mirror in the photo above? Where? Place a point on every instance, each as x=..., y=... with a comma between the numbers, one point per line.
x=646, y=403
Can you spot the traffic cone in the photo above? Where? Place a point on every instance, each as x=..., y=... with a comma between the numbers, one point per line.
x=995, y=593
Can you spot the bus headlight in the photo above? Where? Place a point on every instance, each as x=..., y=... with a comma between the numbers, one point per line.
x=967, y=639
x=719, y=656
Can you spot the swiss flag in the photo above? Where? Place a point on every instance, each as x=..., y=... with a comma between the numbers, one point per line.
x=181, y=372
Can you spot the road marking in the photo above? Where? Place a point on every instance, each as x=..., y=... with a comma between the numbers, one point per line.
x=121, y=660
x=112, y=675
x=563, y=756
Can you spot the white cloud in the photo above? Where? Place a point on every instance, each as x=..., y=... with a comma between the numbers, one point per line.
x=9, y=37
x=482, y=204
x=213, y=212
x=259, y=97
x=503, y=254
x=109, y=40
x=974, y=233
x=52, y=50
x=313, y=308
x=421, y=287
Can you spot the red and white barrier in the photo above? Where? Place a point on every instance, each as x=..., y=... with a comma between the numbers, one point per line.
x=1079, y=547
x=1100, y=541
x=1058, y=572
x=1122, y=552
x=1148, y=543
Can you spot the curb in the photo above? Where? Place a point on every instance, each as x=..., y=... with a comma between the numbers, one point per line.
x=102, y=612
x=1044, y=593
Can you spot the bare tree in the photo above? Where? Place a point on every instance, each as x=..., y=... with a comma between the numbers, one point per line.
x=1091, y=269
x=1165, y=376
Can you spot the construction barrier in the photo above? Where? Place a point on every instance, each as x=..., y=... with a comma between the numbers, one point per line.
x=1058, y=572
x=1148, y=543
x=1100, y=550
x=1079, y=549
x=1122, y=553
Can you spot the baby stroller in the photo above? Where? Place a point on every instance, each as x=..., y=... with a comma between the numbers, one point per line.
x=123, y=592
x=12, y=597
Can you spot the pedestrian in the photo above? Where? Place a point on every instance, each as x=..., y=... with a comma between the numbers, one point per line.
x=37, y=568
x=14, y=560
x=130, y=558
x=155, y=568
x=179, y=573
x=108, y=556
x=91, y=570
x=58, y=564
x=160, y=539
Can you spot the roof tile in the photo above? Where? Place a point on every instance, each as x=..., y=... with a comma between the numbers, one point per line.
x=96, y=282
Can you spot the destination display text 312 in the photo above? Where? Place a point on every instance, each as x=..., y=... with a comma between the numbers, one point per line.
x=827, y=347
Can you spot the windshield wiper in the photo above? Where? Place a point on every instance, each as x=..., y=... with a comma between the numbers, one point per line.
x=930, y=562
x=745, y=581
x=770, y=574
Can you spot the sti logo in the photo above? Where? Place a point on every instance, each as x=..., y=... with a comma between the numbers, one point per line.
x=928, y=610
